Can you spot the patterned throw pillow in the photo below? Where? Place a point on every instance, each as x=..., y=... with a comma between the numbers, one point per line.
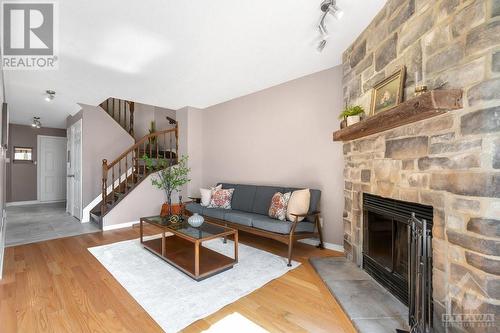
x=221, y=198
x=279, y=202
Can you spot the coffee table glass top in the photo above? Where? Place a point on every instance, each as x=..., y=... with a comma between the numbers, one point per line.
x=206, y=230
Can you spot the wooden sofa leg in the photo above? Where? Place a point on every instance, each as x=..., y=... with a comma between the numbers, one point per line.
x=290, y=248
x=321, y=245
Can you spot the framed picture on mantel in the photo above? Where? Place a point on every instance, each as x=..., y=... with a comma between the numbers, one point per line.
x=388, y=93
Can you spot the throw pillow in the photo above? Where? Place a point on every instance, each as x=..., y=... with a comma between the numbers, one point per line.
x=279, y=202
x=221, y=198
x=206, y=194
x=298, y=204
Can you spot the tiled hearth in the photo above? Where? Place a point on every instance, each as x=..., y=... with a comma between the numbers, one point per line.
x=450, y=162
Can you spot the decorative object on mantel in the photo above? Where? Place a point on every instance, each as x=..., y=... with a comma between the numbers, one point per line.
x=196, y=220
x=427, y=105
x=420, y=86
x=352, y=115
x=169, y=178
x=388, y=93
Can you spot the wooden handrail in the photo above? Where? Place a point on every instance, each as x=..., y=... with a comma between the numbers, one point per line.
x=140, y=143
x=133, y=168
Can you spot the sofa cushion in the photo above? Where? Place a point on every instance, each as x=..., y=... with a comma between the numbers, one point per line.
x=243, y=197
x=217, y=213
x=194, y=207
x=263, y=196
x=239, y=217
x=281, y=227
x=313, y=204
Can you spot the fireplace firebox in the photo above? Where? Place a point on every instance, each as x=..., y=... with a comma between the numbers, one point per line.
x=387, y=239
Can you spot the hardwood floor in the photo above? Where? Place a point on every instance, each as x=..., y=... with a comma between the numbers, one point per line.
x=58, y=286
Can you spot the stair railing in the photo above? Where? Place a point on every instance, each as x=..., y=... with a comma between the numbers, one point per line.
x=127, y=170
x=121, y=111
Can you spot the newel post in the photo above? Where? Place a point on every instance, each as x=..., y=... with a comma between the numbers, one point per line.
x=104, y=186
x=177, y=141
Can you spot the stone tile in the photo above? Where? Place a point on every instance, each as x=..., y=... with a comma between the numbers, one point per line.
x=416, y=29
x=495, y=8
x=364, y=64
x=365, y=176
x=436, y=39
x=358, y=54
x=485, y=227
x=496, y=155
x=408, y=165
x=459, y=76
x=456, y=146
x=471, y=16
x=432, y=198
x=466, y=205
x=486, y=264
x=338, y=269
x=404, y=13
x=373, y=81
x=442, y=138
x=446, y=58
x=484, y=91
x=366, y=299
x=381, y=325
x=407, y=148
x=471, y=242
x=495, y=61
x=483, y=37
x=465, y=161
x=480, y=122
x=468, y=183
x=386, y=52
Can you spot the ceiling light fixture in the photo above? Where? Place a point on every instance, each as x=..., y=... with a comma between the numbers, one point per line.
x=327, y=7
x=51, y=94
x=36, y=122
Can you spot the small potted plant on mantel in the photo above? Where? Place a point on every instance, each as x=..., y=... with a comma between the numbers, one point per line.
x=169, y=178
x=351, y=115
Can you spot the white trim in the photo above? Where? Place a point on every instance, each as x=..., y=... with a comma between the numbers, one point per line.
x=329, y=246
x=119, y=226
x=38, y=169
x=31, y=202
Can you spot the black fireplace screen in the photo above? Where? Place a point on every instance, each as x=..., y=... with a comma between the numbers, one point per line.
x=386, y=241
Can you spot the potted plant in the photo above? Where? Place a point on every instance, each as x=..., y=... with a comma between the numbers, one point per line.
x=169, y=178
x=352, y=114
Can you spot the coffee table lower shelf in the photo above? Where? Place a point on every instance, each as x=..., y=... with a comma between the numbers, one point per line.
x=181, y=253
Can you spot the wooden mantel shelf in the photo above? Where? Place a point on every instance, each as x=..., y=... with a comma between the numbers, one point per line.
x=427, y=105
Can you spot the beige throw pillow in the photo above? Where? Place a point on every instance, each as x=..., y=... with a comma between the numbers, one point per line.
x=298, y=204
x=206, y=194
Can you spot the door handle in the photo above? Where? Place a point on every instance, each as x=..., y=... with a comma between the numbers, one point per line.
x=70, y=176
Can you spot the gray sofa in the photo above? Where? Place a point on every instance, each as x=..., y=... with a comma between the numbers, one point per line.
x=249, y=212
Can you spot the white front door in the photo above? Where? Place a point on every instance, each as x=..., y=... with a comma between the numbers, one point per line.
x=74, y=193
x=51, y=168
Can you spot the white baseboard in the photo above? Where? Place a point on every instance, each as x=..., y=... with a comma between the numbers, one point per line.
x=329, y=246
x=31, y=202
x=119, y=225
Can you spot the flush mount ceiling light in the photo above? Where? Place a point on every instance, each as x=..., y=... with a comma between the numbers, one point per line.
x=51, y=94
x=36, y=122
x=327, y=7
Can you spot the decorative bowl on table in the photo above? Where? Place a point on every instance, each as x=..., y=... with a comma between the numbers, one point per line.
x=196, y=220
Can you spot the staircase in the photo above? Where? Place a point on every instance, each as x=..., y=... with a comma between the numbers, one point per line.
x=122, y=175
x=121, y=111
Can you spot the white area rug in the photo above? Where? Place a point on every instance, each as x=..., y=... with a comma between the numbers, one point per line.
x=173, y=299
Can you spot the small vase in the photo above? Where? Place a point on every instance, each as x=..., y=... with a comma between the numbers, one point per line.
x=196, y=220
x=351, y=120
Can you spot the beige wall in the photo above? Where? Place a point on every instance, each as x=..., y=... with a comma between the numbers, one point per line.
x=281, y=136
x=102, y=138
x=145, y=114
x=22, y=176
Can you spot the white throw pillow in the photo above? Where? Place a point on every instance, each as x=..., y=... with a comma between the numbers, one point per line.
x=206, y=194
x=298, y=204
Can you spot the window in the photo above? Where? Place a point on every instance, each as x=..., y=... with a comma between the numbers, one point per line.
x=23, y=154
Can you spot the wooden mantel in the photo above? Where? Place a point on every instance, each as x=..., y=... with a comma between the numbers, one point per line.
x=427, y=105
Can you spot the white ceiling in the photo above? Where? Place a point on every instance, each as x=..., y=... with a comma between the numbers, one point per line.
x=175, y=53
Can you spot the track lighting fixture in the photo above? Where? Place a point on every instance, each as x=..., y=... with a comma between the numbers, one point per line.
x=327, y=7
x=51, y=94
x=36, y=122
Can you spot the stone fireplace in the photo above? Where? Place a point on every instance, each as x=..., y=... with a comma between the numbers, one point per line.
x=450, y=162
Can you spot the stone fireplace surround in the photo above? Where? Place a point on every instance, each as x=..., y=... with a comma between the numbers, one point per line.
x=450, y=162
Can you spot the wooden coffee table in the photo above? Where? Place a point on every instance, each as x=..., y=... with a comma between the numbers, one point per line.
x=181, y=246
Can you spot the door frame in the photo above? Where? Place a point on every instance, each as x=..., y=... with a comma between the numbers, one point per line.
x=38, y=168
x=69, y=157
